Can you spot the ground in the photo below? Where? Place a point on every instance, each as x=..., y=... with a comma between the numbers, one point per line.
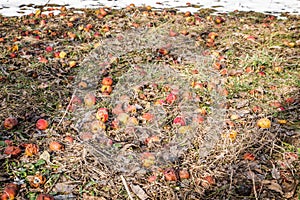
x=257, y=152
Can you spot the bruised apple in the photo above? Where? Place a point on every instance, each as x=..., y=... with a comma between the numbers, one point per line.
x=179, y=121
x=31, y=149
x=102, y=114
x=89, y=100
x=10, y=191
x=107, y=81
x=264, y=123
x=12, y=150
x=106, y=89
x=10, y=123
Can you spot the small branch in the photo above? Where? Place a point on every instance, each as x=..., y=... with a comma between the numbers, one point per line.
x=73, y=95
x=126, y=187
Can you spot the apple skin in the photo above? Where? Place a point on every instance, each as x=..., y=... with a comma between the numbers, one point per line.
x=107, y=81
x=179, y=121
x=10, y=123
x=106, y=89
x=14, y=151
x=42, y=124
x=171, y=98
x=89, y=100
x=102, y=114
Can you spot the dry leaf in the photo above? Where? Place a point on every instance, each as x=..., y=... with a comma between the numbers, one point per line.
x=273, y=185
x=64, y=188
x=136, y=189
x=45, y=156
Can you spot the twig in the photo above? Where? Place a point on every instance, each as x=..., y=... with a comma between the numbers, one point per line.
x=253, y=182
x=126, y=187
x=73, y=95
x=231, y=178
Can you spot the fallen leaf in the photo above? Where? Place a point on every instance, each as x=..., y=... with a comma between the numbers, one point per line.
x=45, y=156
x=136, y=189
x=64, y=188
x=273, y=185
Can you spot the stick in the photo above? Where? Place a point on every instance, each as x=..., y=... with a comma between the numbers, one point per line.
x=126, y=187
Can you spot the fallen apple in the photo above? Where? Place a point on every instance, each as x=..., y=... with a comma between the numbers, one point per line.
x=102, y=114
x=148, y=116
x=31, y=149
x=264, y=123
x=10, y=191
x=171, y=98
x=179, y=120
x=55, y=146
x=13, y=151
x=89, y=99
x=170, y=174
x=106, y=89
x=69, y=139
x=10, y=123
x=107, y=81
x=97, y=126
x=184, y=174
x=42, y=124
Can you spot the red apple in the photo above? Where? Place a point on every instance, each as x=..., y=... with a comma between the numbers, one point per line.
x=102, y=114
x=184, y=174
x=69, y=139
x=42, y=124
x=12, y=150
x=10, y=191
x=171, y=98
x=49, y=48
x=170, y=174
x=10, y=123
x=55, y=146
x=179, y=121
x=107, y=81
x=148, y=116
x=13, y=55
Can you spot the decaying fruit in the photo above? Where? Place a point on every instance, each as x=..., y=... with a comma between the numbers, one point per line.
x=10, y=123
x=170, y=174
x=10, y=191
x=37, y=181
x=55, y=146
x=102, y=114
x=264, y=123
x=89, y=99
x=12, y=150
x=31, y=149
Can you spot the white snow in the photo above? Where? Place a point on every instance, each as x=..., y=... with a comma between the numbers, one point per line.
x=14, y=8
